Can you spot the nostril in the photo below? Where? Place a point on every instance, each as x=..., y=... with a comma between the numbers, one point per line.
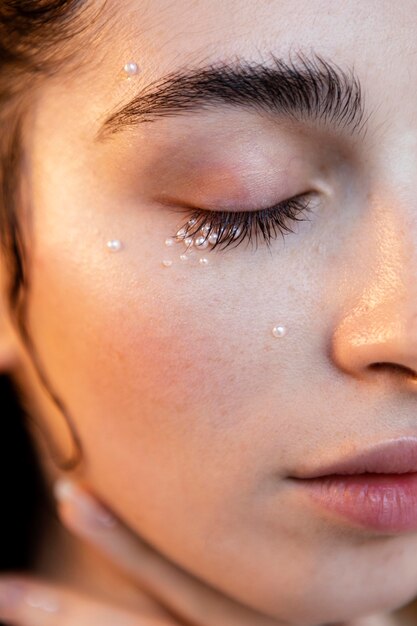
x=396, y=368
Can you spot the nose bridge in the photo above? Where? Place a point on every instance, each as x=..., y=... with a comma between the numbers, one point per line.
x=379, y=323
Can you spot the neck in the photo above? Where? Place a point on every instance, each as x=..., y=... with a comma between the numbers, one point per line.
x=67, y=560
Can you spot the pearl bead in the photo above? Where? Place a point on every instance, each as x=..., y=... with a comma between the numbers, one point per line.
x=114, y=245
x=192, y=221
x=213, y=237
x=169, y=241
x=188, y=241
x=183, y=257
x=181, y=233
x=201, y=242
x=167, y=263
x=279, y=331
x=131, y=68
x=203, y=261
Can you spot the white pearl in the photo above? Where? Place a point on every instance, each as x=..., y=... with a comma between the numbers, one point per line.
x=213, y=237
x=201, y=242
x=205, y=229
x=114, y=245
x=181, y=233
x=188, y=241
x=131, y=68
x=203, y=261
x=183, y=257
x=167, y=263
x=279, y=331
x=169, y=241
x=236, y=232
x=192, y=221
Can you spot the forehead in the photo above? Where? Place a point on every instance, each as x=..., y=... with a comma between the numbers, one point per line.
x=371, y=37
x=377, y=39
x=190, y=30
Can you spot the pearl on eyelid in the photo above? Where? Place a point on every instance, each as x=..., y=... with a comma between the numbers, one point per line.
x=279, y=331
x=201, y=243
x=181, y=233
x=114, y=245
x=169, y=241
x=203, y=261
x=166, y=263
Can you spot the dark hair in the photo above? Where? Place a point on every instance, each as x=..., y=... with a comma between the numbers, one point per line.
x=34, y=43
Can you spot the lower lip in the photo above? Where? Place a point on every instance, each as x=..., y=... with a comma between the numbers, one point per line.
x=382, y=502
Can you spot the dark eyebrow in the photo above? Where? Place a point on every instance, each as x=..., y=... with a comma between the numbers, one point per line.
x=309, y=88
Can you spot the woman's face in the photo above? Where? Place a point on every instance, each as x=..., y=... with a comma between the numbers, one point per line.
x=192, y=415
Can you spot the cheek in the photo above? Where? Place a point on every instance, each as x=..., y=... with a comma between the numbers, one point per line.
x=181, y=396
x=161, y=377
x=187, y=407
x=149, y=361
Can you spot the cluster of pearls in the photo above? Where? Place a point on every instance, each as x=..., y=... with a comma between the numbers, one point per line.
x=200, y=241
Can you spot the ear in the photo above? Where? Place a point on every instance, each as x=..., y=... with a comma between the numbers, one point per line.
x=9, y=344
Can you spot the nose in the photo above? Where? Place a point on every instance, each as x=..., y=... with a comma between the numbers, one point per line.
x=376, y=331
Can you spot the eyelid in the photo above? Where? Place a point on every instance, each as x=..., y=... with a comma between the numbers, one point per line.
x=268, y=222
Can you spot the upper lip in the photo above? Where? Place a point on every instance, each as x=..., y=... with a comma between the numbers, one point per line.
x=397, y=456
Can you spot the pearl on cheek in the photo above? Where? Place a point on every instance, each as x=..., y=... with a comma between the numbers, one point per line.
x=200, y=242
x=114, y=245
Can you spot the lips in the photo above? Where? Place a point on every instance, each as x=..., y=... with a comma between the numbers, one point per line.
x=375, y=489
x=391, y=457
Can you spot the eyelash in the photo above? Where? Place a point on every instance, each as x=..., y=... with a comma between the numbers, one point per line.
x=267, y=223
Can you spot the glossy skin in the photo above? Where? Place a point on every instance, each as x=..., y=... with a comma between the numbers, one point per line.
x=191, y=414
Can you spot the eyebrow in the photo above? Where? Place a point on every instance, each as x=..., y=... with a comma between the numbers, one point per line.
x=307, y=88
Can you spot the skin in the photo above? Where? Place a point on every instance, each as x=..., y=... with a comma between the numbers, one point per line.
x=191, y=414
